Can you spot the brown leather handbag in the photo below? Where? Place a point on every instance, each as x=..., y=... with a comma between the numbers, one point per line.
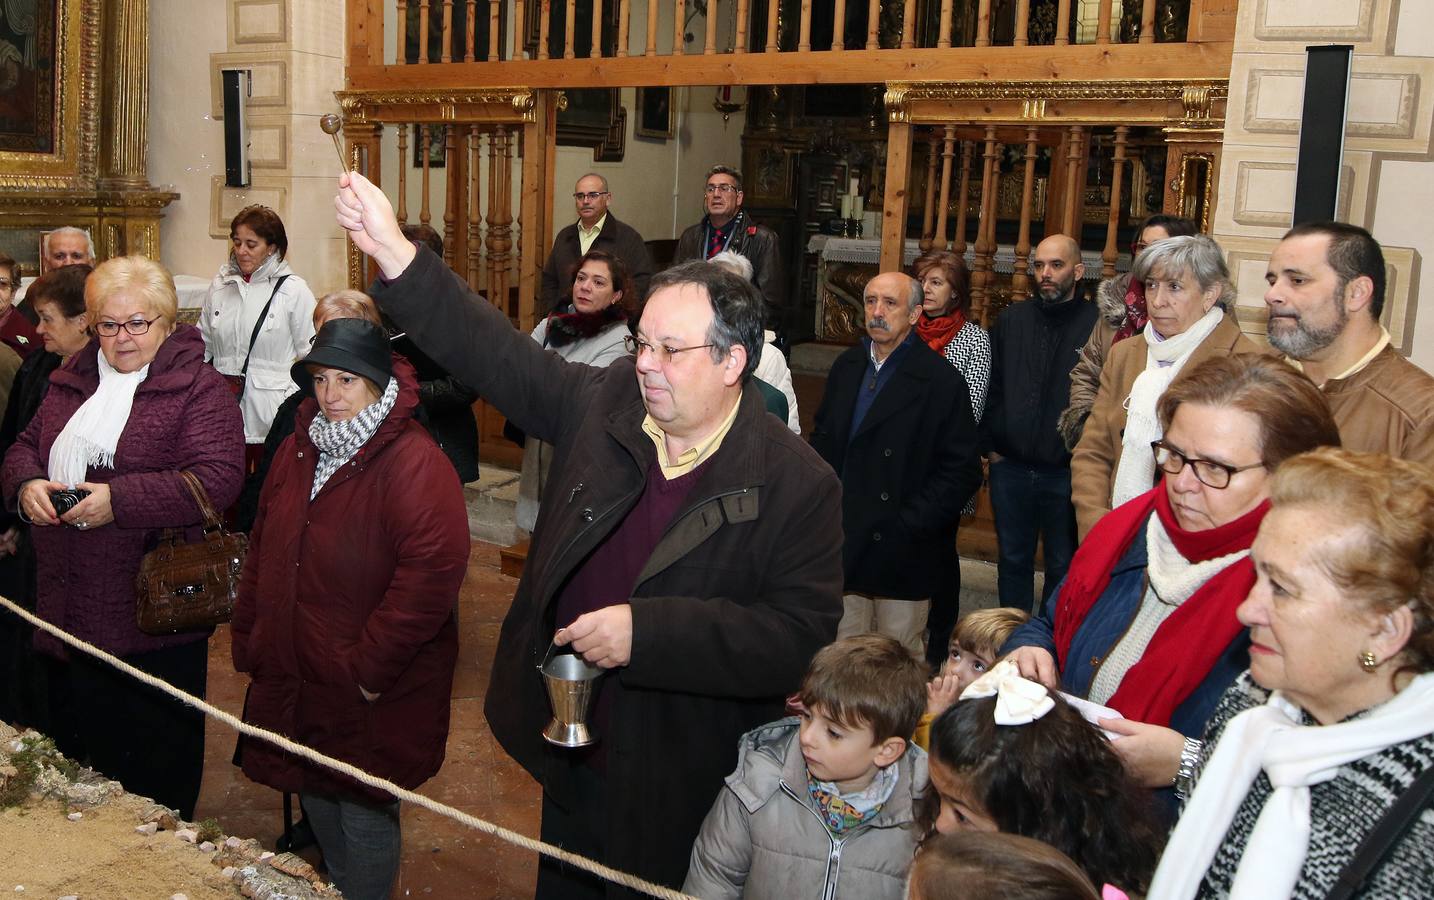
x=188, y=586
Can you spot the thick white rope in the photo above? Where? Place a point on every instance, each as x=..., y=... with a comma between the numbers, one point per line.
x=337, y=765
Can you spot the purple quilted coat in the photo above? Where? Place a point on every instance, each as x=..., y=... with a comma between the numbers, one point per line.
x=184, y=417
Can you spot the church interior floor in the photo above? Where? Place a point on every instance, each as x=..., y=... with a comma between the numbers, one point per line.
x=441, y=858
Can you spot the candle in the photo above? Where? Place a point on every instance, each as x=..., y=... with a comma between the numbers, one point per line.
x=846, y=206
x=857, y=207
x=855, y=186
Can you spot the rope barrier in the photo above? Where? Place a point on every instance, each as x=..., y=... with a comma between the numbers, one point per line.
x=558, y=853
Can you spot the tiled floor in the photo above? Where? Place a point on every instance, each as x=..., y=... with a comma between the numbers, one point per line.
x=441, y=858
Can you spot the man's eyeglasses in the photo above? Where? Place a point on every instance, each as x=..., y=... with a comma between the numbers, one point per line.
x=133, y=326
x=1211, y=474
x=664, y=354
x=722, y=188
x=580, y=196
x=6, y=284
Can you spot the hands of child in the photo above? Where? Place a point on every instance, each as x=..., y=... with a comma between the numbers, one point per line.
x=1151, y=753
x=942, y=693
x=1037, y=664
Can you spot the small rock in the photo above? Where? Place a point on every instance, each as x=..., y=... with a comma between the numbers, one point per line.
x=19, y=888
x=148, y=828
x=228, y=872
x=177, y=897
x=69, y=897
x=75, y=816
x=188, y=835
x=207, y=846
x=231, y=842
x=267, y=854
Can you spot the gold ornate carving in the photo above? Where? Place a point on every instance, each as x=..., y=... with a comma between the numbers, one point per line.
x=502, y=105
x=1149, y=100
x=896, y=108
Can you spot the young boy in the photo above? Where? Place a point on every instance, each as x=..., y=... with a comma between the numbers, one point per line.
x=825, y=795
x=974, y=646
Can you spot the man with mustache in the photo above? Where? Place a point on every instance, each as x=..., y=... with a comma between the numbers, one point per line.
x=896, y=424
x=596, y=228
x=1034, y=346
x=687, y=542
x=1326, y=295
x=726, y=226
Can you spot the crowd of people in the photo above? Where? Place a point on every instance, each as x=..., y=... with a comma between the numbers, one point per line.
x=1224, y=685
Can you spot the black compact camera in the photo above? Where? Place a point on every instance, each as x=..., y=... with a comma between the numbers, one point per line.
x=64, y=501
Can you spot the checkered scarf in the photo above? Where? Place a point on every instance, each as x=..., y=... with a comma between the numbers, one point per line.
x=337, y=442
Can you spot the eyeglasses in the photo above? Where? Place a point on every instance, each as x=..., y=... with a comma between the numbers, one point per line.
x=6, y=284
x=1210, y=473
x=664, y=354
x=580, y=196
x=723, y=188
x=133, y=326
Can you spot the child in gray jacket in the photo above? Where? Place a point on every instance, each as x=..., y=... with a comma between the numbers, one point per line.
x=822, y=804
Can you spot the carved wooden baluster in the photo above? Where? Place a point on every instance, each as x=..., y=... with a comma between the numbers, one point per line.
x=943, y=30
x=772, y=7
x=948, y=152
x=1117, y=175
x=990, y=213
x=679, y=18
x=570, y=28
x=500, y=220
x=1063, y=22
x=451, y=196
x=402, y=211
x=839, y=26
x=595, y=49
x=624, y=21
x=740, y=41
x=873, y=24
x=651, y=49
x=403, y=31
x=424, y=215
x=493, y=16
x=709, y=42
x=446, y=51
x=475, y=245
x=1102, y=22
x=958, y=244
x=804, y=28
x=1075, y=184
x=1023, y=27
x=1147, y=22
x=1021, y=276
x=981, y=268
x=983, y=23
x=928, y=212
x=423, y=47
x=469, y=51
x=517, y=51
x=908, y=25
x=545, y=20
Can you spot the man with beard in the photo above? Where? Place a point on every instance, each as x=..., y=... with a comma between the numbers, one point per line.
x=896, y=424
x=1034, y=346
x=1325, y=298
x=726, y=226
x=595, y=229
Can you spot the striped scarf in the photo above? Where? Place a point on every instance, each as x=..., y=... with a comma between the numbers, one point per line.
x=337, y=442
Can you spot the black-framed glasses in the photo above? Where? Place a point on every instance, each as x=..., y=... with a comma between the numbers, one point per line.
x=1210, y=473
x=723, y=188
x=133, y=326
x=664, y=354
x=580, y=196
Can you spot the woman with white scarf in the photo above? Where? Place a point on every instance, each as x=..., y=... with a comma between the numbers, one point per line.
x=1312, y=754
x=97, y=474
x=1187, y=291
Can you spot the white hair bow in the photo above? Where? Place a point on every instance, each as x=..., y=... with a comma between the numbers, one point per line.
x=1019, y=701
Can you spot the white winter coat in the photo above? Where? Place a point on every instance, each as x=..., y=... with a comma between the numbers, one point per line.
x=227, y=319
x=772, y=368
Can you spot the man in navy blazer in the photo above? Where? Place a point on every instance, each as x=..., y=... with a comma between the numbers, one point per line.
x=895, y=423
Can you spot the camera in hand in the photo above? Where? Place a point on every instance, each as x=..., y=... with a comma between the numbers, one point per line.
x=64, y=501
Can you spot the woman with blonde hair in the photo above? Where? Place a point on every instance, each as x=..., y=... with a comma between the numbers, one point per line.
x=98, y=474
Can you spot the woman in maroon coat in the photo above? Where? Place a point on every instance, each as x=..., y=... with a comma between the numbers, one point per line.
x=122, y=418
x=346, y=615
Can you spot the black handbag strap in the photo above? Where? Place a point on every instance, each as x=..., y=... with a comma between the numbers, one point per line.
x=1386, y=833
x=259, y=323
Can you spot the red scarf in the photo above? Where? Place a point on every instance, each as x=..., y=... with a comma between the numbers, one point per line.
x=938, y=331
x=1188, y=643
x=1135, y=315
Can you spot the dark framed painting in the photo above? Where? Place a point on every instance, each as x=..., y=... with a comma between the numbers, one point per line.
x=437, y=137
x=594, y=118
x=656, y=118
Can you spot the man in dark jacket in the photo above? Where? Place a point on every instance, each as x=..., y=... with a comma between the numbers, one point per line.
x=595, y=229
x=687, y=542
x=728, y=227
x=896, y=424
x=1034, y=346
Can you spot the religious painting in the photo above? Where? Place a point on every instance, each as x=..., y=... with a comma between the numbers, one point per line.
x=49, y=61
x=594, y=117
x=437, y=146
x=27, y=76
x=655, y=116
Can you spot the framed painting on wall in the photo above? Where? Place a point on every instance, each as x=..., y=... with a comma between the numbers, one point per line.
x=437, y=145
x=48, y=88
x=655, y=116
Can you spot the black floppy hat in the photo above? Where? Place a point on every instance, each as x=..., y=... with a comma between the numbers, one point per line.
x=351, y=345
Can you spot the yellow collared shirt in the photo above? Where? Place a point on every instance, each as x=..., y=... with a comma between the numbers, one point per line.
x=695, y=455
x=586, y=236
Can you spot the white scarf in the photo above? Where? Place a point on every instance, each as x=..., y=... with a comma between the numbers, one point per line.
x=1294, y=757
x=1135, y=473
x=90, y=437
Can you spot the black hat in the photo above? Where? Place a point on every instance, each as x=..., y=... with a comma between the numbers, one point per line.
x=351, y=345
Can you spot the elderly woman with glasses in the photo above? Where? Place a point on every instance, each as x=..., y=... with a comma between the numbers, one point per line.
x=97, y=474
x=1145, y=622
x=1187, y=290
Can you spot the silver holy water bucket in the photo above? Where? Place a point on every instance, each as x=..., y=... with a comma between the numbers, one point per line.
x=570, y=681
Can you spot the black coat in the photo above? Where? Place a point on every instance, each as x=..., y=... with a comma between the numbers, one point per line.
x=618, y=238
x=741, y=590
x=762, y=248
x=906, y=473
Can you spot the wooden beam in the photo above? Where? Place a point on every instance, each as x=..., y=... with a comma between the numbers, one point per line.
x=995, y=65
x=365, y=32
x=893, y=213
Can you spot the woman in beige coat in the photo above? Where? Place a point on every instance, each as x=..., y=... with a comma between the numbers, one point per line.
x=1187, y=290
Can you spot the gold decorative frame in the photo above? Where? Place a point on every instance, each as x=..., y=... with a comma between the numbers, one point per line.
x=510, y=105
x=1188, y=102
x=73, y=164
